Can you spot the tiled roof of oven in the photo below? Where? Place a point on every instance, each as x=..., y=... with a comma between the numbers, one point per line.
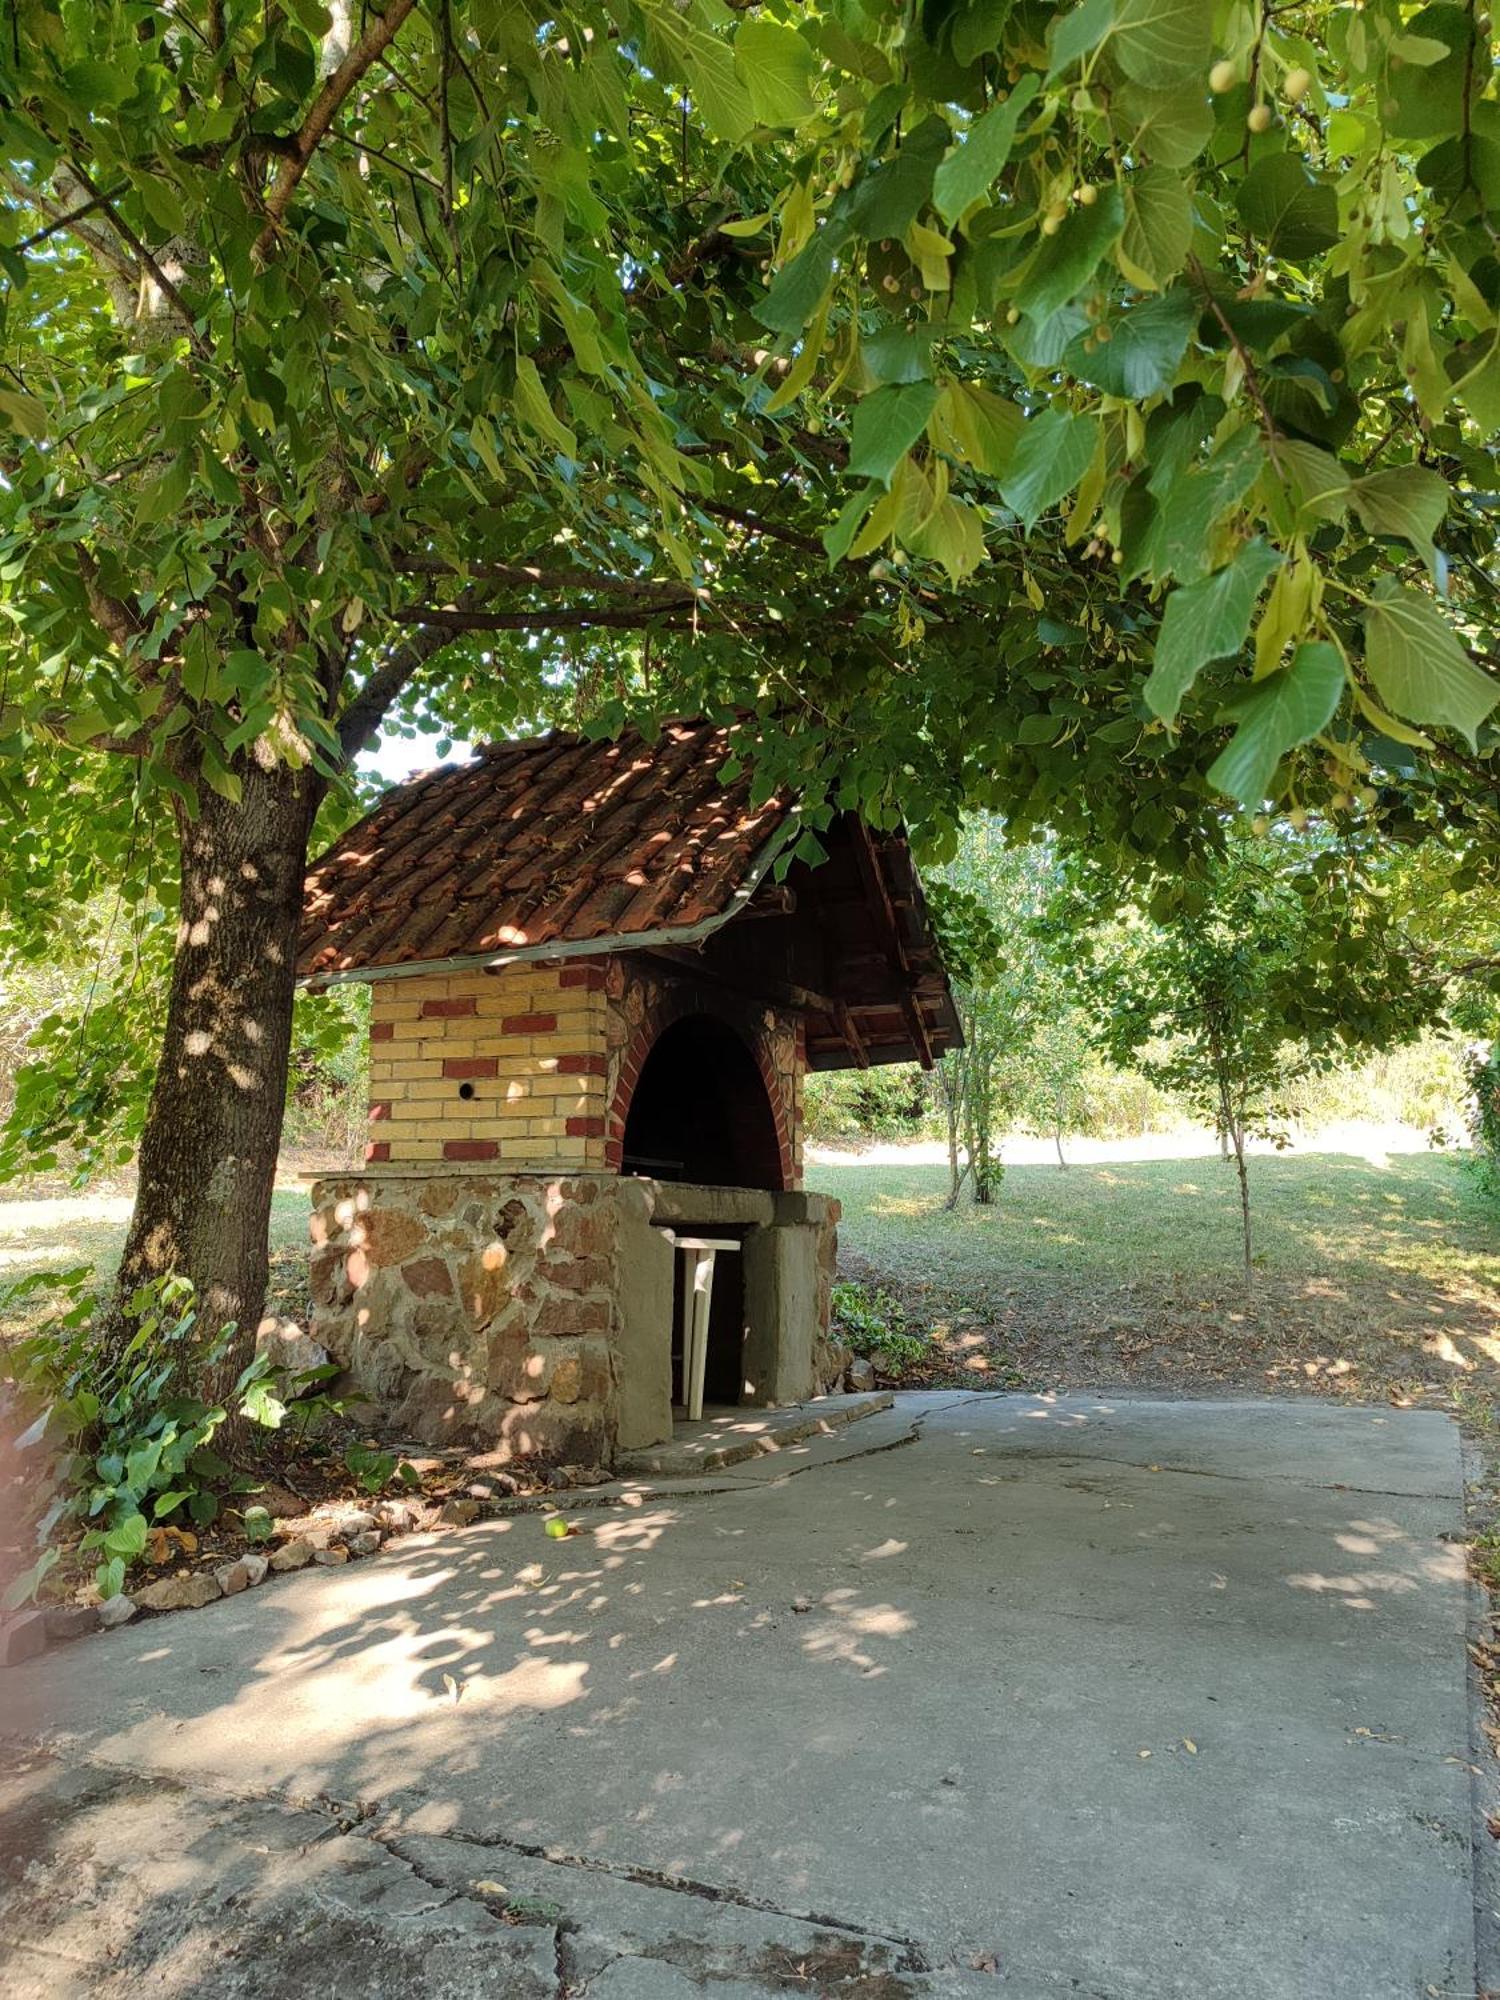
x=558, y=839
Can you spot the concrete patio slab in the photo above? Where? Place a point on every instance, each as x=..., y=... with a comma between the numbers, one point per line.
x=1131, y=1700
x=725, y=1437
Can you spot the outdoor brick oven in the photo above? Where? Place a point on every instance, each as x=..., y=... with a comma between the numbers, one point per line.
x=594, y=998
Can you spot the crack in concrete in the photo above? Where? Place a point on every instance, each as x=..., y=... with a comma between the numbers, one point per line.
x=729, y=1480
x=652, y=1878
x=1070, y=1459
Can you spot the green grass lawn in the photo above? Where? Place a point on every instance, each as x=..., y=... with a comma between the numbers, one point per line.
x=1312, y=1214
x=60, y=1232
x=1370, y=1279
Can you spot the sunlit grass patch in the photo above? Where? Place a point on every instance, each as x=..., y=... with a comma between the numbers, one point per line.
x=1372, y=1277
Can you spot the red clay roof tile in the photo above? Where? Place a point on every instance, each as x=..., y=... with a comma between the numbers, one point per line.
x=556, y=840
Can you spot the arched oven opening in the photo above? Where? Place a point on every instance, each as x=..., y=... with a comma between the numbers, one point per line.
x=700, y=1112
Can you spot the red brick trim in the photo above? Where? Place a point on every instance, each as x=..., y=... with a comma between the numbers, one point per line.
x=528, y=1024
x=580, y=1065
x=449, y=1010
x=589, y=977
x=585, y=1128
x=379, y=1111
x=471, y=1149
x=465, y=1066
x=382, y=1031
x=671, y=1007
x=382, y=1151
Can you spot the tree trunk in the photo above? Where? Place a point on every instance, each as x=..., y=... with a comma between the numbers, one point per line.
x=950, y=1081
x=1231, y=1123
x=207, y=1162
x=1241, y=1170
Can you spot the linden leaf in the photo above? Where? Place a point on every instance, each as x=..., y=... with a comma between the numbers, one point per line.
x=1419, y=667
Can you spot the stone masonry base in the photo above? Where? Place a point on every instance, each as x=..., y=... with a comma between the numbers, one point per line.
x=531, y=1314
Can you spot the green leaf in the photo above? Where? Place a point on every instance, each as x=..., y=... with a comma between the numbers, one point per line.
x=982, y=426
x=802, y=369
x=1163, y=41
x=1430, y=100
x=839, y=534
x=888, y=200
x=978, y=29
x=1145, y=347
x=886, y=426
x=1293, y=212
x=798, y=288
x=1205, y=621
x=967, y=173
x=23, y=413
x=1158, y=227
x=535, y=409
x=776, y=66
x=897, y=354
x=141, y=1465
x=163, y=204
x=1418, y=666
x=1194, y=503
x=1317, y=485
x=954, y=536
x=708, y=64
x=128, y=1538
x=25, y=1586
x=262, y=1405
x=1285, y=709
x=483, y=440
x=1041, y=727
x=1065, y=262
x=1168, y=127
x=1408, y=501
x=1074, y=35
x=1050, y=457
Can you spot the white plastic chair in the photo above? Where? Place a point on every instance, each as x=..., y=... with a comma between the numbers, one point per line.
x=698, y=1254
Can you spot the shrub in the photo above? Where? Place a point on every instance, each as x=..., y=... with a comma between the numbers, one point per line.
x=374, y=1469
x=885, y=1103
x=871, y=1323
x=131, y=1437
x=1484, y=1118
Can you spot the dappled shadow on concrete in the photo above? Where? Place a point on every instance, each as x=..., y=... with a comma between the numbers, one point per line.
x=889, y=1700
x=383, y=1704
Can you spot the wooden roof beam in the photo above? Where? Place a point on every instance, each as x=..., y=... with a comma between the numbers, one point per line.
x=851, y=1034
x=879, y=894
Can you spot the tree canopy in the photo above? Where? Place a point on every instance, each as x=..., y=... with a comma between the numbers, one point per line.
x=1080, y=412
x=1135, y=363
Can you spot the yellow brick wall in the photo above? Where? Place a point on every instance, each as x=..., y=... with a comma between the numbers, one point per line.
x=530, y=1039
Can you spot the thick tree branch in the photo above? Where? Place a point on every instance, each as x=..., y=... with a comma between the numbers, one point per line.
x=386, y=682
x=380, y=31
x=54, y=724
x=64, y=220
x=116, y=619
x=758, y=525
x=530, y=576
x=59, y=217
x=148, y=261
x=578, y=618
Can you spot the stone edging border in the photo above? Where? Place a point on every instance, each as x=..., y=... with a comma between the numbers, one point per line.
x=331, y=1534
